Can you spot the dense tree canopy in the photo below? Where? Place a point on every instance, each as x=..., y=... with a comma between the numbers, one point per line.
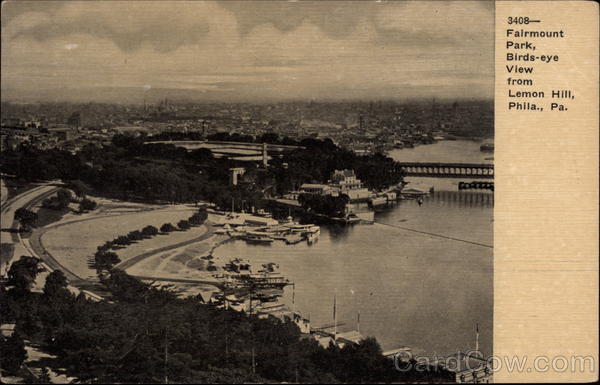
x=56, y=285
x=13, y=353
x=149, y=231
x=87, y=205
x=324, y=204
x=26, y=217
x=129, y=169
x=167, y=228
x=144, y=334
x=22, y=273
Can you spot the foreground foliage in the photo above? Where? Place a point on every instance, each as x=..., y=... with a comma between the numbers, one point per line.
x=149, y=335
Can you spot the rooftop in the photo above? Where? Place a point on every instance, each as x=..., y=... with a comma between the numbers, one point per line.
x=343, y=174
x=460, y=362
x=314, y=185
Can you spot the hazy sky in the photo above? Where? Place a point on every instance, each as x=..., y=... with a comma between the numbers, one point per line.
x=123, y=50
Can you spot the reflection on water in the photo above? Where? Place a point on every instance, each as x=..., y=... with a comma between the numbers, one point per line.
x=340, y=233
x=463, y=199
x=410, y=288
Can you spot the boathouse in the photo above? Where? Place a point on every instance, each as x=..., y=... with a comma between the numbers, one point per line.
x=467, y=368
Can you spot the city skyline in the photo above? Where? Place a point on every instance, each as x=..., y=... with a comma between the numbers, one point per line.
x=258, y=51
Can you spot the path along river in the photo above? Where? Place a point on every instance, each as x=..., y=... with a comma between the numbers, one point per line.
x=411, y=289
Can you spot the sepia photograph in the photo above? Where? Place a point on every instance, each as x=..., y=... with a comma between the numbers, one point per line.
x=247, y=191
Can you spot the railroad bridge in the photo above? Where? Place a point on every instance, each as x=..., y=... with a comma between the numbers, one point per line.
x=448, y=170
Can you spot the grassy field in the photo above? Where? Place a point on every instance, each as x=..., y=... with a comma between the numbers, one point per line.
x=75, y=239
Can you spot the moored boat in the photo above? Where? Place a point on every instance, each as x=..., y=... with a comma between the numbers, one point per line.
x=223, y=230
x=379, y=200
x=263, y=213
x=252, y=237
x=313, y=233
x=352, y=218
x=292, y=239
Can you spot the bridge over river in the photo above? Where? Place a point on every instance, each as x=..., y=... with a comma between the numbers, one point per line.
x=448, y=170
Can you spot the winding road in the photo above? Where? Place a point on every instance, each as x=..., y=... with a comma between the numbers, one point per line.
x=34, y=246
x=9, y=225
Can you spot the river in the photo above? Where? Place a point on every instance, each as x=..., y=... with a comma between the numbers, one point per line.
x=424, y=291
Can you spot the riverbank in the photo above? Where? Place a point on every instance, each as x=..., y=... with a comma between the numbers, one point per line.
x=421, y=276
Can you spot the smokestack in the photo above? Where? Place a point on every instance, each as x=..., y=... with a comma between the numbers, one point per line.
x=265, y=158
x=477, y=339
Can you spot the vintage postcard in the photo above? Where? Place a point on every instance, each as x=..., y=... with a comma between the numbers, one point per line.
x=299, y=191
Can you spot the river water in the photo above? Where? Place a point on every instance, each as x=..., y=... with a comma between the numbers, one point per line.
x=425, y=291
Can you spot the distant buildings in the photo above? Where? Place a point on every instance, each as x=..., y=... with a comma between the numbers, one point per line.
x=75, y=120
x=319, y=189
x=342, y=182
x=365, y=128
x=347, y=183
x=61, y=133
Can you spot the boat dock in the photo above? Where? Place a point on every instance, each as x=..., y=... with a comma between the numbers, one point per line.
x=291, y=232
x=403, y=353
x=324, y=337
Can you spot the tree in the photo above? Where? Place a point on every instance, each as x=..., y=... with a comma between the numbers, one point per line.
x=60, y=201
x=87, y=205
x=197, y=219
x=122, y=240
x=105, y=260
x=22, y=273
x=56, y=284
x=42, y=378
x=201, y=155
x=324, y=204
x=64, y=197
x=135, y=235
x=269, y=137
x=167, y=228
x=125, y=287
x=106, y=246
x=202, y=213
x=79, y=188
x=26, y=217
x=49, y=203
x=13, y=353
x=149, y=231
x=364, y=363
x=124, y=340
x=183, y=224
